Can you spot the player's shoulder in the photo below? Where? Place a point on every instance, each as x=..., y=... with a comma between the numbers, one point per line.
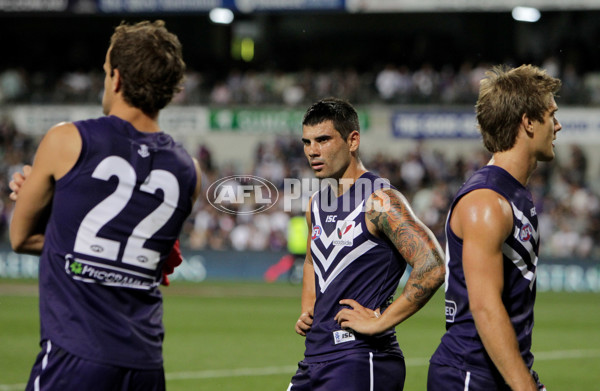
x=483, y=199
x=385, y=200
x=61, y=133
x=484, y=209
x=63, y=127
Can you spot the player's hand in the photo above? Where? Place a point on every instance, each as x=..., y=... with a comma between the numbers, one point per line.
x=17, y=181
x=304, y=323
x=174, y=260
x=358, y=318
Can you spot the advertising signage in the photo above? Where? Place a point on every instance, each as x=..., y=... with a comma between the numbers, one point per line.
x=247, y=6
x=265, y=120
x=166, y=6
x=579, y=125
x=434, y=124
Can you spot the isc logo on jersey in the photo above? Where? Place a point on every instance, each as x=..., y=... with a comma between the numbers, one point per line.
x=344, y=233
x=341, y=336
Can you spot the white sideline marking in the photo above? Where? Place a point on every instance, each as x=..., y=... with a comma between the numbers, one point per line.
x=410, y=362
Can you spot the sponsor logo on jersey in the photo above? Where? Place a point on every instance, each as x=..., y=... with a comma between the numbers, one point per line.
x=242, y=194
x=344, y=233
x=97, y=273
x=450, y=311
x=526, y=232
x=316, y=232
x=533, y=212
x=331, y=219
x=341, y=336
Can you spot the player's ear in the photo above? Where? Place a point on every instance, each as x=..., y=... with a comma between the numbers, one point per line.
x=527, y=124
x=353, y=140
x=116, y=79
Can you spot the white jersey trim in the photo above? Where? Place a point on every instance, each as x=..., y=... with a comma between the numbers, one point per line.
x=467, y=380
x=36, y=383
x=347, y=260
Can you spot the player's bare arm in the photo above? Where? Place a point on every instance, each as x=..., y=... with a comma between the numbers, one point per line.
x=389, y=215
x=483, y=219
x=305, y=320
x=55, y=156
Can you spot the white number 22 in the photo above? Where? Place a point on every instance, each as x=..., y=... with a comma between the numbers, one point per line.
x=88, y=242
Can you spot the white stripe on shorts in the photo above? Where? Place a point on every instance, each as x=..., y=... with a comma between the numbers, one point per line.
x=36, y=384
x=372, y=380
x=467, y=380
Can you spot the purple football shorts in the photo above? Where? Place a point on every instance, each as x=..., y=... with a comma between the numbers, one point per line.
x=56, y=369
x=361, y=371
x=446, y=378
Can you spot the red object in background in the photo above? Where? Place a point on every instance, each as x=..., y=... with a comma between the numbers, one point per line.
x=173, y=261
x=283, y=265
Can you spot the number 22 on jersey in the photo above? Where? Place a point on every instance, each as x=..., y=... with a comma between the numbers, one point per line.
x=88, y=242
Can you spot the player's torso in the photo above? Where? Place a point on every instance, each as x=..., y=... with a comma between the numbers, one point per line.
x=114, y=219
x=461, y=344
x=349, y=263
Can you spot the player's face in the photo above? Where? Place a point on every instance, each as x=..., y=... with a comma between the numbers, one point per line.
x=107, y=96
x=327, y=152
x=545, y=133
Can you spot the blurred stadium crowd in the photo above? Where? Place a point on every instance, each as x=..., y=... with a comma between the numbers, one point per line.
x=568, y=206
x=389, y=84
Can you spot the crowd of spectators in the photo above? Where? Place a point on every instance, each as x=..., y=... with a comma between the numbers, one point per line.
x=569, y=208
x=385, y=84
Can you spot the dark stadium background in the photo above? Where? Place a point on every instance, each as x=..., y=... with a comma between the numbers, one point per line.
x=294, y=40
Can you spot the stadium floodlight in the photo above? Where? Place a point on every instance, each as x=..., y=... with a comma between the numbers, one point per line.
x=526, y=14
x=221, y=15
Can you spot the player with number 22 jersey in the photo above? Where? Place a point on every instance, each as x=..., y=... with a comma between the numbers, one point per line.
x=102, y=244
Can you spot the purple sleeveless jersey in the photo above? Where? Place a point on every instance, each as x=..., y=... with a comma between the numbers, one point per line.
x=115, y=217
x=461, y=346
x=349, y=263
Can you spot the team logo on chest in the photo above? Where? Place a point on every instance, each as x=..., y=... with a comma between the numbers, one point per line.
x=143, y=151
x=334, y=248
x=316, y=232
x=526, y=233
x=344, y=233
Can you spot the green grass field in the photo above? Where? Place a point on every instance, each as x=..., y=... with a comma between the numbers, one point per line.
x=239, y=336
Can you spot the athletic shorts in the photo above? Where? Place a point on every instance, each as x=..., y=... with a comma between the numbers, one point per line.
x=55, y=369
x=364, y=371
x=445, y=378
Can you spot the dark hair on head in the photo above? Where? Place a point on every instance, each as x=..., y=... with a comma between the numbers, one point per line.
x=149, y=60
x=339, y=111
x=506, y=94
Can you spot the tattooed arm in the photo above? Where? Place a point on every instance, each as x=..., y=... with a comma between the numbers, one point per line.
x=389, y=215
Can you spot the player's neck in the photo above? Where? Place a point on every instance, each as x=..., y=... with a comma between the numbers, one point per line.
x=136, y=117
x=518, y=164
x=354, y=171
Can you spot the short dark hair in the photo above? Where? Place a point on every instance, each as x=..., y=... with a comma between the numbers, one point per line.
x=340, y=112
x=506, y=94
x=149, y=59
